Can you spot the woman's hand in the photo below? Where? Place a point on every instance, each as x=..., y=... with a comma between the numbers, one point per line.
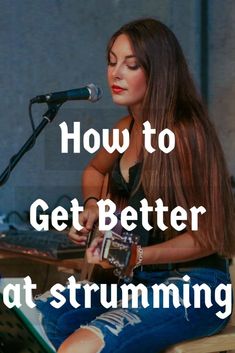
x=93, y=253
x=87, y=219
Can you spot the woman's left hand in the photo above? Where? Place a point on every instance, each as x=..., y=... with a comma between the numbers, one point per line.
x=93, y=254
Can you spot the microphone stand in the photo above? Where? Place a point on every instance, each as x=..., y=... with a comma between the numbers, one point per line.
x=47, y=117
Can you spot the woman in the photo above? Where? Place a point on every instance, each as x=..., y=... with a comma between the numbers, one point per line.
x=148, y=74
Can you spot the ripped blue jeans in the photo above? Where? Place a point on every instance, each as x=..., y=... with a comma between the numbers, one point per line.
x=140, y=329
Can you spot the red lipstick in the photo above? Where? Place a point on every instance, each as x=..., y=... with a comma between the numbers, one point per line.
x=117, y=89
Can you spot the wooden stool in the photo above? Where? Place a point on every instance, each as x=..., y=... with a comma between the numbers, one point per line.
x=221, y=342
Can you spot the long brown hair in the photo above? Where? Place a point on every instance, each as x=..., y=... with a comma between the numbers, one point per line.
x=194, y=173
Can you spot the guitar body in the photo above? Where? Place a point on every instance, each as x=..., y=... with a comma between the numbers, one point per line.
x=119, y=249
x=96, y=273
x=101, y=275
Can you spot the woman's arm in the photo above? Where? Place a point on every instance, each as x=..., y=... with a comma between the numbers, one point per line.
x=182, y=248
x=179, y=249
x=92, y=185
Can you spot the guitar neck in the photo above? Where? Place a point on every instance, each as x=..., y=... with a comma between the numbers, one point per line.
x=92, y=235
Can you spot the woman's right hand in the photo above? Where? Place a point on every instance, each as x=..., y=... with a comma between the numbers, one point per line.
x=87, y=219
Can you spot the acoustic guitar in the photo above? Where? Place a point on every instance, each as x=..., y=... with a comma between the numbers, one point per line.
x=118, y=248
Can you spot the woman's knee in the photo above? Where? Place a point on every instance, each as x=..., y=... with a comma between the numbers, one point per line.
x=83, y=340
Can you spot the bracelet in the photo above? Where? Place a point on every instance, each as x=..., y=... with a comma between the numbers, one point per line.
x=89, y=198
x=139, y=256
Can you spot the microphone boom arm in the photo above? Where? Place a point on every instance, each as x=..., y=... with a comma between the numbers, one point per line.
x=47, y=117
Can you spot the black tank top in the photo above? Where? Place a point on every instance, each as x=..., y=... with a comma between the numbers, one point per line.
x=119, y=186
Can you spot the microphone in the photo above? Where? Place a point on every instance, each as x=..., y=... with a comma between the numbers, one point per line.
x=90, y=92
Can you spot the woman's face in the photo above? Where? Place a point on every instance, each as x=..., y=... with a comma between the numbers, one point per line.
x=126, y=78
